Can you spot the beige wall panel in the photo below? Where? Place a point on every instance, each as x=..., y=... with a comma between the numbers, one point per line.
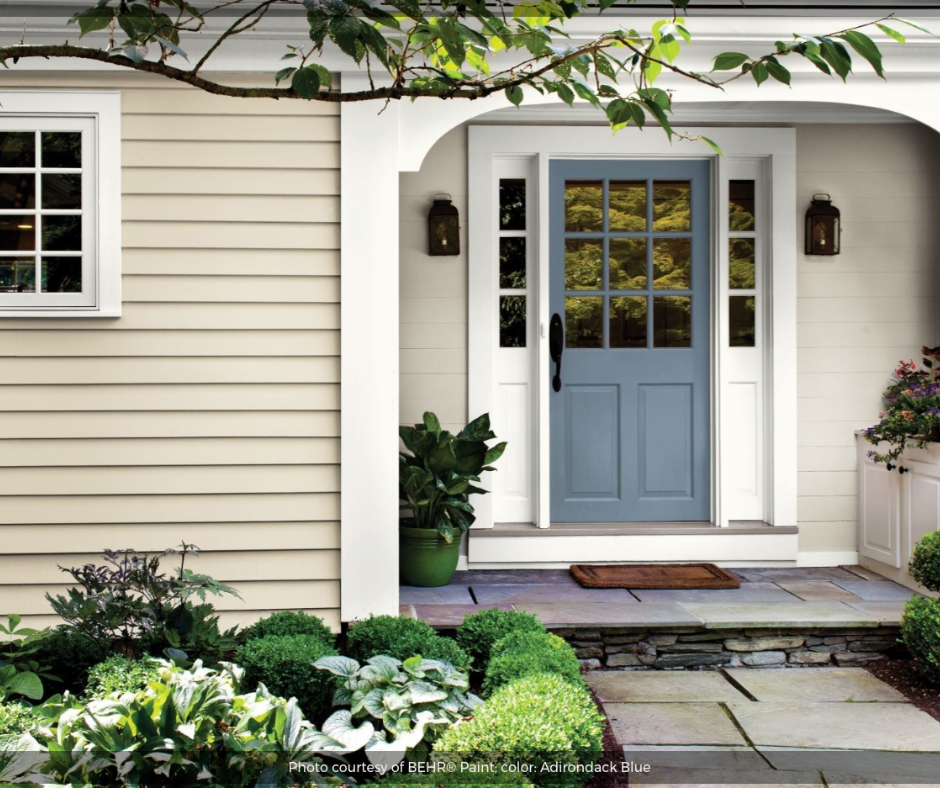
x=433, y=310
x=90, y=344
x=232, y=262
x=245, y=396
x=862, y=335
x=219, y=235
x=169, y=451
x=444, y=335
x=444, y=362
x=231, y=155
x=897, y=284
x=174, y=101
x=850, y=360
x=227, y=537
x=194, y=424
x=30, y=371
x=256, y=181
x=854, y=310
x=825, y=458
x=836, y=432
x=240, y=208
x=219, y=128
x=232, y=289
x=833, y=483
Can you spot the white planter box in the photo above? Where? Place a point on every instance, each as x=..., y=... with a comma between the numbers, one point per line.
x=896, y=508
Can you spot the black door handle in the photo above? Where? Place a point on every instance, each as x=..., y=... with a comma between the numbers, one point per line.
x=556, y=346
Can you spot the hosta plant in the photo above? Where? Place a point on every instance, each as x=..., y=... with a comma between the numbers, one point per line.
x=20, y=673
x=439, y=470
x=411, y=702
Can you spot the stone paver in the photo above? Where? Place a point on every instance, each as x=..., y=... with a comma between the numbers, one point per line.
x=549, y=592
x=672, y=723
x=876, y=590
x=794, y=575
x=869, y=726
x=445, y=595
x=862, y=572
x=513, y=576
x=697, y=757
x=627, y=615
x=845, y=766
x=662, y=687
x=819, y=591
x=725, y=778
x=825, y=685
x=748, y=592
x=885, y=613
x=775, y=615
x=450, y=616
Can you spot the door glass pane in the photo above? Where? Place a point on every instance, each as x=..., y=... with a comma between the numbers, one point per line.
x=62, y=233
x=672, y=321
x=741, y=320
x=628, y=321
x=512, y=321
x=741, y=264
x=512, y=263
x=584, y=322
x=512, y=204
x=17, y=276
x=17, y=149
x=672, y=263
x=62, y=149
x=17, y=233
x=672, y=206
x=627, y=210
x=17, y=191
x=741, y=207
x=584, y=264
x=584, y=206
x=62, y=274
x=61, y=191
x=627, y=263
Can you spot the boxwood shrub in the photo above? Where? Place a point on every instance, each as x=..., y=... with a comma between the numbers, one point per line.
x=288, y=622
x=521, y=654
x=538, y=720
x=69, y=656
x=924, y=565
x=480, y=632
x=920, y=631
x=16, y=718
x=119, y=674
x=284, y=664
x=402, y=638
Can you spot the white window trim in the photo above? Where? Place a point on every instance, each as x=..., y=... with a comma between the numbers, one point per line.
x=104, y=108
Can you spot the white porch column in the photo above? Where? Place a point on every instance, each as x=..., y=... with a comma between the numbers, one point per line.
x=369, y=346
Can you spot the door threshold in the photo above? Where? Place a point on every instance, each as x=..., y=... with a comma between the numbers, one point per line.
x=735, y=528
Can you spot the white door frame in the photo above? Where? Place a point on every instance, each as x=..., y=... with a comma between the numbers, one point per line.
x=491, y=147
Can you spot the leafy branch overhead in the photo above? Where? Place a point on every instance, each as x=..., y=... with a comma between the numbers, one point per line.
x=449, y=50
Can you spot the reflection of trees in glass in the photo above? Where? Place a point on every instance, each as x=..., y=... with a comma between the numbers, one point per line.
x=17, y=149
x=628, y=321
x=62, y=149
x=512, y=263
x=742, y=321
x=18, y=276
x=584, y=206
x=583, y=317
x=741, y=206
x=17, y=191
x=62, y=233
x=672, y=321
x=512, y=321
x=672, y=263
x=584, y=264
x=62, y=274
x=741, y=263
x=627, y=206
x=512, y=204
x=627, y=263
x=672, y=207
x=62, y=191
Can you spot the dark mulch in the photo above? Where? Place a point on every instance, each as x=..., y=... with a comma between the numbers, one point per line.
x=612, y=759
x=902, y=675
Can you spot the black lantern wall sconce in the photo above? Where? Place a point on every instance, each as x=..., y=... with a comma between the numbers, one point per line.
x=443, y=227
x=823, y=227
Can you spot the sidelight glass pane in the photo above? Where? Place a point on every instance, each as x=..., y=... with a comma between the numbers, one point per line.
x=672, y=321
x=512, y=204
x=741, y=264
x=627, y=209
x=17, y=276
x=584, y=264
x=17, y=149
x=512, y=263
x=61, y=191
x=584, y=206
x=672, y=263
x=627, y=263
x=584, y=322
x=742, y=321
x=62, y=233
x=62, y=274
x=17, y=191
x=741, y=206
x=672, y=206
x=628, y=322
x=512, y=321
x=62, y=150
x=17, y=233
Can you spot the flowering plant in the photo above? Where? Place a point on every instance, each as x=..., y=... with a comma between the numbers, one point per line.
x=912, y=408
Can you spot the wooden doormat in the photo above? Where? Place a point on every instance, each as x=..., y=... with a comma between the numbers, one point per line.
x=649, y=576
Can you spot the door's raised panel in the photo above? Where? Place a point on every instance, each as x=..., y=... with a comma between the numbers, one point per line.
x=879, y=513
x=665, y=441
x=592, y=440
x=920, y=510
x=513, y=477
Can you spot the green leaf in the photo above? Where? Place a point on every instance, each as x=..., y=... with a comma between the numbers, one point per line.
x=27, y=684
x=712, y=144
x=867, y=48
x=283, y=74
x=93, y=19
x=728, y=61
x=759, y=72
x=344, y=32
x=837, y=56
x=891, y=32
x=306, y=82
x=432, y=423
x=778, y=72
x=172, y=47
x=514, y=94
x=586, y=93
x=494, y=454
x=565, y=93
x=909, y=23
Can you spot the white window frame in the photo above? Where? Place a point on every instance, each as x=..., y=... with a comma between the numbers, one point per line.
x=98, y=116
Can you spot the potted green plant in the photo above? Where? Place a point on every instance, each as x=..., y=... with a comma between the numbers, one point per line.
x=436, y=479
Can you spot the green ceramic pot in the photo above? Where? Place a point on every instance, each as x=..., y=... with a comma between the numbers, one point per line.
x=424, y=558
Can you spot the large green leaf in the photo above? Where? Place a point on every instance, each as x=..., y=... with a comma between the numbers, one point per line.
x=306, y=82
x=493, y=454
x=867, y=48
x=27, y=684
x=728, y=61
x=432, y=423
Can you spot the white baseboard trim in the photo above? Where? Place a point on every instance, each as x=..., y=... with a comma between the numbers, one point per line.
x=835, y=558
x=463, y=564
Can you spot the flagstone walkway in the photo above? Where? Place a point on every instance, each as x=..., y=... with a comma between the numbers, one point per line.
x=828, y=727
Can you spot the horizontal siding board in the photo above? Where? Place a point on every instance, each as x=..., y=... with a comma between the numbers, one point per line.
x=863, y=334
x=856, y=310
x=222, y=235
x=227, y=208
x=246, y=537
x=64, y=509
x=219, y=128
x=233, y=289
x=167, y=180
x=232, y=262
x=169, y=101
x=189, y=479
x=169, y=451
x=231, y=155
x=177, y=397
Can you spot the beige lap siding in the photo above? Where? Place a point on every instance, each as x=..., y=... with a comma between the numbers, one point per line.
x=209, y=412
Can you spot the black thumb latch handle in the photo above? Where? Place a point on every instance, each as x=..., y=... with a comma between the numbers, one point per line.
x=556, y=346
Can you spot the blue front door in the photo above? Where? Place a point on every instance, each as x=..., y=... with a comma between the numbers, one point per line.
x=629, y=274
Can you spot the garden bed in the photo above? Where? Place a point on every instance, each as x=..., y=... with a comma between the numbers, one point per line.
x=903, y=676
